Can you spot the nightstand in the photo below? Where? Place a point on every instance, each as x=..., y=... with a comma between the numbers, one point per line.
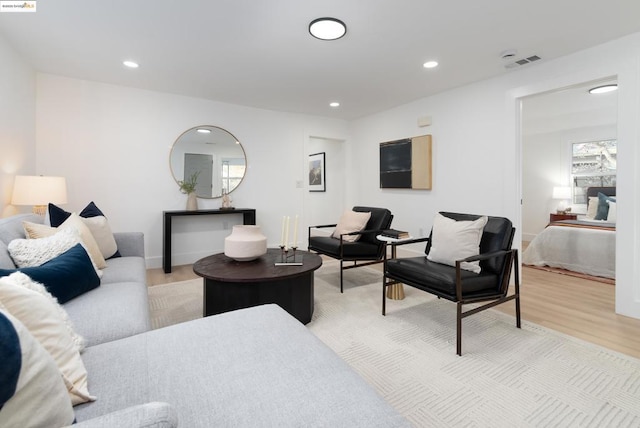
x=557, y=217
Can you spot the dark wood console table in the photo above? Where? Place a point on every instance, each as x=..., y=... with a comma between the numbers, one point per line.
x=231, y=285
x=248, y=217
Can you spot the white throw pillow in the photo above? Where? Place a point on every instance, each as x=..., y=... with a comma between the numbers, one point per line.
x=44, y=322
x=592, y=207
x=35, y=252
x=101, y=231
x=23, y=280
x=39, y=396
x=34, y=230
x=612, y=217
x=351, y=221
x=453, y=240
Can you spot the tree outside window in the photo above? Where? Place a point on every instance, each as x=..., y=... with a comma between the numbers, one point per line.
x=593, y=164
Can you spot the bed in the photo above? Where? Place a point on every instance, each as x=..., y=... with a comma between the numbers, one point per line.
x=586, y=246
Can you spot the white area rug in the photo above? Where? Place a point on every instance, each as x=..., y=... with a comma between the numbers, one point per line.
x=532, y=377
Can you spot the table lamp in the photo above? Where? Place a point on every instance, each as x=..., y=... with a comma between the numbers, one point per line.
x=563, y=193
x=38, y=190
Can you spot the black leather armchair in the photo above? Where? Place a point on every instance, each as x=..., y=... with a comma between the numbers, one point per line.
x=365, y=251
x=497, y=260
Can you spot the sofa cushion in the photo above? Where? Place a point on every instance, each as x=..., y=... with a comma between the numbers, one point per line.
x=35, y=252
x=66, y=276
x=110, y=312
x=97, y=222
x=73, y=222
x=24, y=281
x=150, y=415
x=11, y=228
x=45, y=322
x=248, y=367
x=32, y=392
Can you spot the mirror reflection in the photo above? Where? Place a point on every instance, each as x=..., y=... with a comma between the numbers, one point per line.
x=214, y=155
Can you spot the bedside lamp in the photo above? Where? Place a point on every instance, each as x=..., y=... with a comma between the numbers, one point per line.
x=38, y=191
x=563, y=193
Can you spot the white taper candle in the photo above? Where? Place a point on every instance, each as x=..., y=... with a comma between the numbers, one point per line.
x=286, y=233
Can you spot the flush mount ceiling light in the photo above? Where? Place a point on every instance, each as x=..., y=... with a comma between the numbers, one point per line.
x=130, y=64
x=204, y=131
x=334, y=104
x=430, y=64
x=603, y=89
x=327, y=28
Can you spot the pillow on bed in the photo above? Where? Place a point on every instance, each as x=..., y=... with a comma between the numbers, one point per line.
x=592, y=207
x=612, y=216
x=603, y=206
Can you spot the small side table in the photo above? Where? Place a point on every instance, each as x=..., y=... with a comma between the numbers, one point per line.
x=557, y=217
x=394, y=291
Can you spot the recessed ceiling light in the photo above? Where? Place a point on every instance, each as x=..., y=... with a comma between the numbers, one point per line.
x=130, y=64
x=603, y=89
x=334, y=104
x=204, y=131
x=327, y=28
x=430, y=64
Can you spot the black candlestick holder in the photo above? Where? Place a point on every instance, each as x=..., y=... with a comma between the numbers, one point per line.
x=288, y=257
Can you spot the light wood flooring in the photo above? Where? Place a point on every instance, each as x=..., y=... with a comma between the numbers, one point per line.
x=570, y=305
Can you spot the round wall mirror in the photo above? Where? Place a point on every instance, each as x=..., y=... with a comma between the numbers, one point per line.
x=213, y=155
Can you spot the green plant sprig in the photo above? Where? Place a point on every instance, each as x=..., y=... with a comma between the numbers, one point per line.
x=189, y=185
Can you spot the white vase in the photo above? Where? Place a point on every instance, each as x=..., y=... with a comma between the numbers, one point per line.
x=192, y=201
x=245, y=243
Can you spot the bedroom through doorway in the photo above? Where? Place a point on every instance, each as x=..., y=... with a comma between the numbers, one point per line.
x=569, y=148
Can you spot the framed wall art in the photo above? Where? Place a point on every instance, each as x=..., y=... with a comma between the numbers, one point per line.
x=406, y=163
x=317, y=181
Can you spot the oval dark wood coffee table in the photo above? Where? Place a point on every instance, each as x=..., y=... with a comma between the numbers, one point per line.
x=231, y=285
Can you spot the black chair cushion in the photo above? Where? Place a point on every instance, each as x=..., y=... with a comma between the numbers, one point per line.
x=331, y=247
x=497, y=235
x=440, y=279
x=380, y=219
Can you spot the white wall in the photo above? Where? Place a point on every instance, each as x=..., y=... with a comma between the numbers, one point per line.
x=326, y=207
x=113, y=143
x=17, y=124
x=477, y=150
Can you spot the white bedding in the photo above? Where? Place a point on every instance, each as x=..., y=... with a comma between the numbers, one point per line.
x=589, y=251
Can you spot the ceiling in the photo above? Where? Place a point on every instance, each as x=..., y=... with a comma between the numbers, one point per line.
x=260, y=54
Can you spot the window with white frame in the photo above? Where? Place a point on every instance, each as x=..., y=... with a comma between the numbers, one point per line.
x=593, y=164
x=232, y=173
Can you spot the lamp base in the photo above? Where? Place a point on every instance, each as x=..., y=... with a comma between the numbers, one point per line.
x=40, y=209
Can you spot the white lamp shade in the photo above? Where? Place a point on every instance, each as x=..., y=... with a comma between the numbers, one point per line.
x=562, y=192
x=39, y=190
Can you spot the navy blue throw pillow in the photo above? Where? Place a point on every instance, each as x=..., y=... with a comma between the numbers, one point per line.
x=57, y=216
x=11, y=357
x=66, y=276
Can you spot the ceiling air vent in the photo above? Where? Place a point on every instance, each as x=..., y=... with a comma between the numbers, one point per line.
x=523, y=61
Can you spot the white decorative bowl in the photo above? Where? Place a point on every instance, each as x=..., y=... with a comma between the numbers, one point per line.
x=245, y=243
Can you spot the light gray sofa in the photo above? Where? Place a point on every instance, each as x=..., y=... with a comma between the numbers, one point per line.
x=256, y=367
x=119, y=307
